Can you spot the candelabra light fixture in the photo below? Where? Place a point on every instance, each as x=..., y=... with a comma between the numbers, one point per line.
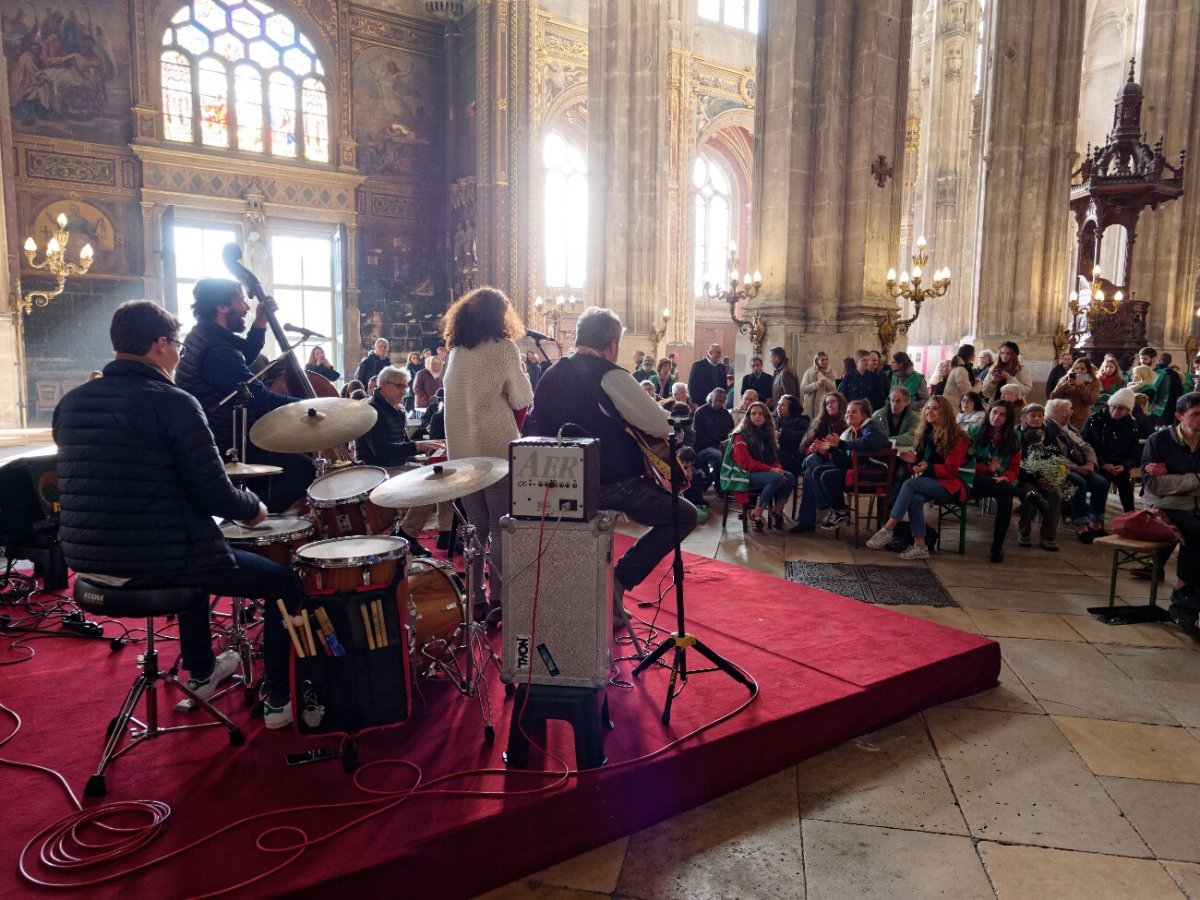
x=553, y=311
x=657, y=334
x=909, y=287
x=55, y=263
x=734, y=292
x=1085, y=307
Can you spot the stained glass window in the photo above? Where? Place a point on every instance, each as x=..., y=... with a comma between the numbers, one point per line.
x=259, y=84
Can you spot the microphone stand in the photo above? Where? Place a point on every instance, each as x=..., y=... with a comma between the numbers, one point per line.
x=680, y=641
x=242, y=391
x=537, y=342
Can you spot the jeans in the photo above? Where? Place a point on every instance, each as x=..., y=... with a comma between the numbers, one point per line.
x=709, y=459
x=1003, y=493
x=646, y=504
x=777, y=482
x=1124, y=488
x=911, y=500
x=1083, y=510
x=1188, y=565
x=254, y=577
x=824, y=486
x=484, y=509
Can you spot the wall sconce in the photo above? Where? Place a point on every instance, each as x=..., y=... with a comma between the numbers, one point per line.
x=909, y=288
x=733, y=293
x=657, y=334
x=55, y=263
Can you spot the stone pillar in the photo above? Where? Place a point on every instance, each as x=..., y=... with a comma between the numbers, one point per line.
x=833, y=79
x=628, y=147
x=1030, y=110
x=1167, y=251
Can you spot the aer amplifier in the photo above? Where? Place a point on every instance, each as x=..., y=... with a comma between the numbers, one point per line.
x=557, y=479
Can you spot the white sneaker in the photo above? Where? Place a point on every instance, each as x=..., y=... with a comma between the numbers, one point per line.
x=226, y=664
x=277, y=716
x=916, y=551
x=880, y=539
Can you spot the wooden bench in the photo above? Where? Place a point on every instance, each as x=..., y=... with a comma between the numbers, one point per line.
x=1127, y=552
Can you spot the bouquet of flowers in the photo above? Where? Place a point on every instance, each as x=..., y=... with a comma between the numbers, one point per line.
x=1049, y=470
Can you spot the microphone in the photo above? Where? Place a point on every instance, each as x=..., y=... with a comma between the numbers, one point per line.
x=529, y=332
x=303, y=332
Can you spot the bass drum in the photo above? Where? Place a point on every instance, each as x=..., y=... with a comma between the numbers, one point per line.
x=437, y=615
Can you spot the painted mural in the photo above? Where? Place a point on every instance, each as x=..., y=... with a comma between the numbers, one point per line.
x=397, y=98
x=68, y=68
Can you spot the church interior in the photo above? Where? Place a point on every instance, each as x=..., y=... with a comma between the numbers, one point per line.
x=735, y=172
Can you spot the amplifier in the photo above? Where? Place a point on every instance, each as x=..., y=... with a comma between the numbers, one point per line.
x=570, y=468
x=29, y=496
x=571, y=645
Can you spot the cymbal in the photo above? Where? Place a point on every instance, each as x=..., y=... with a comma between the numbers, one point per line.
x=307, y=426
x=440, y=483
x=250, y=470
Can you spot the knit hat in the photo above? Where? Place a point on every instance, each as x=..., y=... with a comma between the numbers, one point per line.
x=1124, y=397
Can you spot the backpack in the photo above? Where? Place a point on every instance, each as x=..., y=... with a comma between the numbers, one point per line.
x=902, y=537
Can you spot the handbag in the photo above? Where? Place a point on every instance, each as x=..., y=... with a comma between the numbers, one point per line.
x=1146, y=525
x=732, y=477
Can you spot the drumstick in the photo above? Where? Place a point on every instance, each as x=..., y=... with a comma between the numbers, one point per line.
x=324, y=646
x=377, y=610
x=367, y=626
x=287, y=623
x=323, y=620
x=308, y=632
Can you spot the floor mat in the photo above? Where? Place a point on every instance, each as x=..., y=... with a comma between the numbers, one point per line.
x=886, y=585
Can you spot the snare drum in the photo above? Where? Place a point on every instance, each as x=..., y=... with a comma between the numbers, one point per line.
x=436, y=613
x=276, y=537
x=340, y=501
x=341, y=565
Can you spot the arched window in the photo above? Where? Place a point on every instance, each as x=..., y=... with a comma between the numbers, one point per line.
x=565, y=212
x=236, y=74
x=741, y=14
x=712, y=222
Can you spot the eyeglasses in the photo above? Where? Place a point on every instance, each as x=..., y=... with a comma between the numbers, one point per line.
x=179, y=345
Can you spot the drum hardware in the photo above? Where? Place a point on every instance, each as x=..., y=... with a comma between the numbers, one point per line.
x=309, y=426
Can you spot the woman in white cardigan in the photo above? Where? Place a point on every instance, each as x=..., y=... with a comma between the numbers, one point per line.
x=818, y=383
x=485, y=386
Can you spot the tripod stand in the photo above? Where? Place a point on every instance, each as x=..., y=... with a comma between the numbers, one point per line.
x=680, y=640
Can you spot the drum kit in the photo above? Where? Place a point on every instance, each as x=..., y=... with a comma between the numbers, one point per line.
x=348, y=541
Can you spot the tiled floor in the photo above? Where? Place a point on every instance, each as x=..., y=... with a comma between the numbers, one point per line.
x=1079, y=776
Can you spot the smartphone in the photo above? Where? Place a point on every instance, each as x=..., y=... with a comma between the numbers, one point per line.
x=311, y=756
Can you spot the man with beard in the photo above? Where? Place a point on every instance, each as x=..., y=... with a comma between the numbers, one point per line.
x=216, y=360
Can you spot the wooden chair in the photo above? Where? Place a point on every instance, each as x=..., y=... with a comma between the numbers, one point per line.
x=748, y=500
x=863, y=481
x=956, y=510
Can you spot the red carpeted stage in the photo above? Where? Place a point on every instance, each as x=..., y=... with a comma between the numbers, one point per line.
x=828, y=668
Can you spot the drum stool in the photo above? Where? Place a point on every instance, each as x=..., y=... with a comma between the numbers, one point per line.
x=135, y=603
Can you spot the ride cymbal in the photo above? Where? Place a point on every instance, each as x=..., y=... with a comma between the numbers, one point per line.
x=307, y=426
x=440, y=483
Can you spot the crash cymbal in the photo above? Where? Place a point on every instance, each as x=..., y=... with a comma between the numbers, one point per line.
x=307, y=426
x=241, y=470
x=440, y=483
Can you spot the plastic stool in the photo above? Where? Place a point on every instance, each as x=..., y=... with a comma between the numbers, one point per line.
x=585, y=708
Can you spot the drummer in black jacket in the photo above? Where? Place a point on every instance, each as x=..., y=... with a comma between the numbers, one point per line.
x=140, y=480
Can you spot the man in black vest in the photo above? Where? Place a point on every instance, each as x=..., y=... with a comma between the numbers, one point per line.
x=216, y=361
x=589, y=390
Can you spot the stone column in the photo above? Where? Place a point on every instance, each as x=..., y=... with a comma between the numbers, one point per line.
x=628, y=145
x=1025, y=237
x=1167, y=251
x=829, y=129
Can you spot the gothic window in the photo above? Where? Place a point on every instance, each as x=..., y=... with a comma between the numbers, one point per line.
x=979, y=47
x=711, y=199
x=238, y=75
x=741, y=14
x=565, y=212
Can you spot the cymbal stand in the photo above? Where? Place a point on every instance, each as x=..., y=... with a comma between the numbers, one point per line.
x=240, y=409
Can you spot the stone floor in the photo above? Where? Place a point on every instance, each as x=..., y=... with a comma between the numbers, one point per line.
x=1078, y=776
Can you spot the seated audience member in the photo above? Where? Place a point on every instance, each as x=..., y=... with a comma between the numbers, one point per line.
x=832, y=420
x=351, y=386
x=1081, y=387
x=934, y=463
x=679, y=394
x=748, y=399
x=1111, y=380
x=1151, y=382
x=1114, y=435
x=941, y=375
x=1007, y=368
x=319, y=365
x=1013, y=393
x=1091, y=488
x=905, y=375
x=899, y=419
x=1037, y=494
x=1171, y=483
x=756, y=450
x=698, y=482
x=1147, y=425
x=997, y=467
x=711, y=426
x=830, y=461
x=972, y=412
x=662, y=380
x=429, y=381
x=1191, y=381
x=792, y=424
x=358, y=394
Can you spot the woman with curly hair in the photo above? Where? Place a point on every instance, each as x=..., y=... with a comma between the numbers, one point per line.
x=934, y=463
x=832, y=420
x=485, y=387
x=756, y=450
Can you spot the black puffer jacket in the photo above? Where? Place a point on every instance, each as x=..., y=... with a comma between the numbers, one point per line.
x=140, y=478
x=1114, y=440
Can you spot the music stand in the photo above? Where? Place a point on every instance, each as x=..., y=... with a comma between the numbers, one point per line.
x=680, y=640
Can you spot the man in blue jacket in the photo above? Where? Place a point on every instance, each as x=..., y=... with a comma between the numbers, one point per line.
x=140, y=481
